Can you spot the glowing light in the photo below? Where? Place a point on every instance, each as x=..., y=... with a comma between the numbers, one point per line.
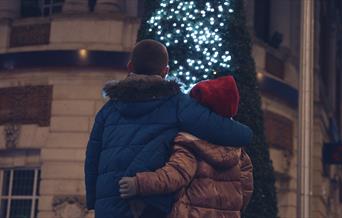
x=260, y=76
x=83, y=53
x=199, y=29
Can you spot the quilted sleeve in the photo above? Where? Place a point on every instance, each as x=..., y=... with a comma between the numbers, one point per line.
x=205, y=124
x=177, y=173
x=246, y=178
x=92, y=158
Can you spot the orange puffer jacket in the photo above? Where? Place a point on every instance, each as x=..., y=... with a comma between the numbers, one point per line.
x=218, y=183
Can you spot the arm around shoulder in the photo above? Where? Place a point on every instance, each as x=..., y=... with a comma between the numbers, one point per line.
x=201, y=122
x=177, y=173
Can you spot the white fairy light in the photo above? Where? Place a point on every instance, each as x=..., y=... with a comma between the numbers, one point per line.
x=198, y=29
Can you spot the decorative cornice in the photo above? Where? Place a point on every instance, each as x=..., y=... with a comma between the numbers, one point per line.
x=69, y=206
x=12, y=134
x=19, y=151
x=63, y=58
x=279, y=90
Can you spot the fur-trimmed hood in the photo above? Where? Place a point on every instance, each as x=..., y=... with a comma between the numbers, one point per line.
x=221, y=157
x=140, y=94
x=140, y=88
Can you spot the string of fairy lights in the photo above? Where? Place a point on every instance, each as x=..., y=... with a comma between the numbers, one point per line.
x=198, y=26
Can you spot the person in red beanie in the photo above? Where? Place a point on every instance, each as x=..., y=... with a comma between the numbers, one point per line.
x=211, y=180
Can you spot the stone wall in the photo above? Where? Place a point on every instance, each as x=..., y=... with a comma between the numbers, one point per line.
x=76, y=99
x=284, y=161
x=95, y=32
x=324, y=202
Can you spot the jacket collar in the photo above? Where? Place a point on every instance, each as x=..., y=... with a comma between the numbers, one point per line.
x=215, y=155
x=140, y=87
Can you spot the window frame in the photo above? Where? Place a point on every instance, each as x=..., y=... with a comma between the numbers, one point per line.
x=40, y=6
x=50, y=6
x=34, y=197
x=261, y=20
x=285, y=123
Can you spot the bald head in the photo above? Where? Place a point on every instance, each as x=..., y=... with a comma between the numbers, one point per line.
x=149, y=57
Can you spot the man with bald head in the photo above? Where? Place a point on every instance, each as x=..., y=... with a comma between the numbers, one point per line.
x=134, y=130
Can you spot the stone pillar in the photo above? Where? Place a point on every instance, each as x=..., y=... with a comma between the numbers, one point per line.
x=132, y=8
x=75, y=6
x=339, y=60
x=332, y=43
x=9, y=9
x=109, y=6
x=249, y=5
x=306, y=115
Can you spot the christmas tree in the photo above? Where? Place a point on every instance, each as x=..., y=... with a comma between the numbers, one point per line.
x=207, y=39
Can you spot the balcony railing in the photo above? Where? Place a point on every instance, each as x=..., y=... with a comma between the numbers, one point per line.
x=30, y=34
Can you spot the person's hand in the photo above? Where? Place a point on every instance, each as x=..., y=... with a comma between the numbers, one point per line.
x=128, y=187
x=184, y=137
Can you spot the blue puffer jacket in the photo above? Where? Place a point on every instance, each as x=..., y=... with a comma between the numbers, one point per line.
x=133, y=132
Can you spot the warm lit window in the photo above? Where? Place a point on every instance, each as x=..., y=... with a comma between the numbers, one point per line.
x=19, y=192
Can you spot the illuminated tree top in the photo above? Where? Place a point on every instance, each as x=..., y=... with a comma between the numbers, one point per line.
x=192, y=32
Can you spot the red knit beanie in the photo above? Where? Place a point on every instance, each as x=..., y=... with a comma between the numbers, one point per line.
x=220, y=95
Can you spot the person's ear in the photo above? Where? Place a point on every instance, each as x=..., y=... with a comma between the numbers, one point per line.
x=130, y=67
x=165, y=71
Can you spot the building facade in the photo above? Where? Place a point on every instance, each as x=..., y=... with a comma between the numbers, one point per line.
x=55, y=56
x=276, y=27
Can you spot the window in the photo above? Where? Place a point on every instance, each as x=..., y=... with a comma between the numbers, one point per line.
x=50, y=7
x=338, y=94
x=279, y=131
x=92, y=4
x=30, y=8
x=19, y=192
x=324, y=57
x=275, y=66
x=38, y=8
x=262, y=15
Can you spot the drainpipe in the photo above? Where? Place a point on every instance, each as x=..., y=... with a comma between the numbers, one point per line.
x=306, y=105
